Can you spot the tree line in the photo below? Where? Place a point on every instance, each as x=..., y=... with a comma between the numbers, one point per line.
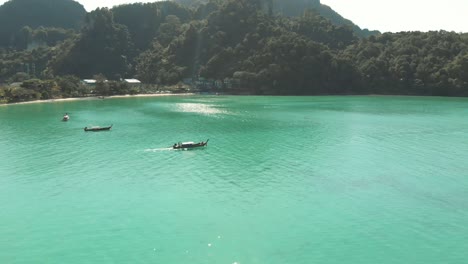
x=164, y=43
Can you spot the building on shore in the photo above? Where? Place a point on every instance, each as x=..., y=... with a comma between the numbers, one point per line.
x=89, y=82
x=132, y=82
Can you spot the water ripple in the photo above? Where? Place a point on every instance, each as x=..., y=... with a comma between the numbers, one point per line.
x=282, y=180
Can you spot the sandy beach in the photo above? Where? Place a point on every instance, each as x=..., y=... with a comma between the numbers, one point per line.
x=98, y=98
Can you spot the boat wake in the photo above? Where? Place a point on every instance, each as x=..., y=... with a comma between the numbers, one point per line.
x=158, y=149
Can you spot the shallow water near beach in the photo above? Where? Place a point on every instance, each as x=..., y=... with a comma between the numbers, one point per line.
x=282, y=180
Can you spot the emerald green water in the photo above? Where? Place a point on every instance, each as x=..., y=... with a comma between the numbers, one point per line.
x=283, y=180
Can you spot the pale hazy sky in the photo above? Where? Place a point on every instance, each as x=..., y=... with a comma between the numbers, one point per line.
x=382, y=15
x=404, y=15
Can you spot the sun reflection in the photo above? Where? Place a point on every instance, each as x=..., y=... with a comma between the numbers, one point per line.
x=199, y=108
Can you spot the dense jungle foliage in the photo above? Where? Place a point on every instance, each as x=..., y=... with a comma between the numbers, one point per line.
x=294, y=8
x=19, y=19
x=243, y=43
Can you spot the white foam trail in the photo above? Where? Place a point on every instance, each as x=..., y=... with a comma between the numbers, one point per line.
x=158, y=149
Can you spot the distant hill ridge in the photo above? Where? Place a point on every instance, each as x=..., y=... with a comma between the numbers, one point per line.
x=16, y=14
x=296, y=8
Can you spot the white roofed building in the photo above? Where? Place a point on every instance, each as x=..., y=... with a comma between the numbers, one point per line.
x=89, y=81
x=132, y=81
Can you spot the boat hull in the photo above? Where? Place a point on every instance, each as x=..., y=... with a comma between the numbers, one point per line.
x=97, y=129
x=190, y=146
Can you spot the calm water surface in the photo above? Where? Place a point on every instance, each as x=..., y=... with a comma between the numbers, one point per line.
x=283, y=180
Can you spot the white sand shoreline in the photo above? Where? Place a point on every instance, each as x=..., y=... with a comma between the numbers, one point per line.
x=97, y=98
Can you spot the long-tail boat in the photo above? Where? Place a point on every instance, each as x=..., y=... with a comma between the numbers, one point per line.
x=97, y=128
x=190, y=145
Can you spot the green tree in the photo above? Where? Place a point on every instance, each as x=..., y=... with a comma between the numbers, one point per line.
x=103, y=47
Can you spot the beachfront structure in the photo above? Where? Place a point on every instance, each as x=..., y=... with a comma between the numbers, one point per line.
x=132, y=81
x=89, y=82
x=92, y=82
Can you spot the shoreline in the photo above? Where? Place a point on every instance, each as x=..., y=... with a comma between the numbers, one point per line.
x=96, y=98
x=189, y=94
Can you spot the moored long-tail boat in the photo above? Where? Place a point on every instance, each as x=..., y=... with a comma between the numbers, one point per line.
x=97, y=128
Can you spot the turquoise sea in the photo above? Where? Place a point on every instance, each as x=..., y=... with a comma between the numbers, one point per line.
x=283, y=180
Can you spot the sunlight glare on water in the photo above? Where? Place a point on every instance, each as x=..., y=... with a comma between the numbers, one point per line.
x=199, y=108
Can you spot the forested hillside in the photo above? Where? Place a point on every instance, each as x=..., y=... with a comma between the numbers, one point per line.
x=236, y=46
x=434, y=63
x=19, y=20
x=295, y=8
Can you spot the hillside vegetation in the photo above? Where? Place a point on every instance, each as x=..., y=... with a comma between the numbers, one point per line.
x=241, y=42
x=19, y=20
